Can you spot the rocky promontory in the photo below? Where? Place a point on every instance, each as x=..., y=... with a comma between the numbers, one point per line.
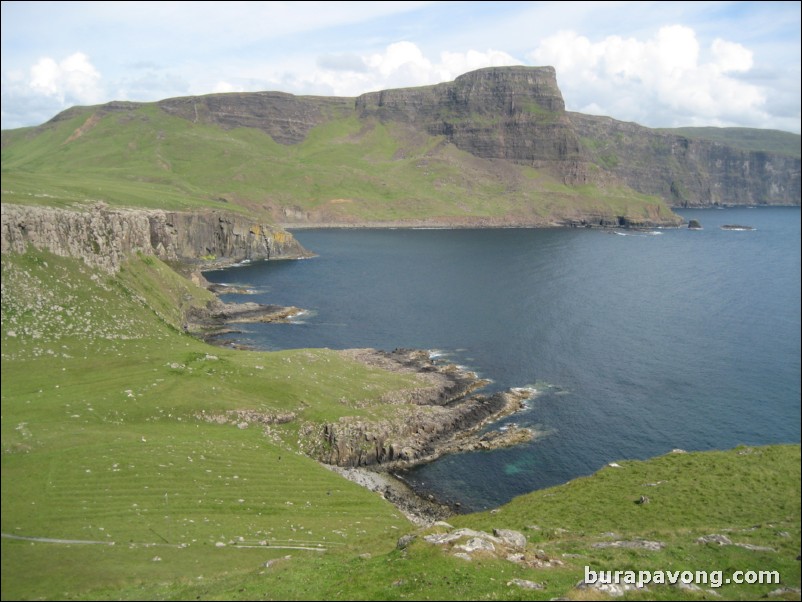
x=442, y=416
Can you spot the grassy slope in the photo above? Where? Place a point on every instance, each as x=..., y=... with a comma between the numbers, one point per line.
x=345, y=169
x=101, y=441
x=749, y=139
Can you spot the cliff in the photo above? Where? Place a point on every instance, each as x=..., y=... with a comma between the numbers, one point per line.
x=495, y=147
x=687, y=171
x=104, y=237
x=512, y=113
x=286, y=118
x=426, y=422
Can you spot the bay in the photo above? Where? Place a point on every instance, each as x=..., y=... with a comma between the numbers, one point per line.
x=639, y=342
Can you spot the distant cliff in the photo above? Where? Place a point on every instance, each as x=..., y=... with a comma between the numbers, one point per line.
x=286, y=118
x=495, y=147
x=512, y=113
x=104, y=237
x=517, y=114
x=688, y=172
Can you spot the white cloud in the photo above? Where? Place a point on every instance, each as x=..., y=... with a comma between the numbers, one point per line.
x=731, y=57
x=74, y=79
x=404, y=64
x=225, y=87
x=665, y=80
x=36, y=94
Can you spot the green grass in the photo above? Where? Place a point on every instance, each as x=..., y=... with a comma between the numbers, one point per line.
x=104, y=436
x=108, y=435
x=346, y=169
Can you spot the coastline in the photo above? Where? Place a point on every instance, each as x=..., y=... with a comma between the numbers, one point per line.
x=443, y=415
x=590, y=222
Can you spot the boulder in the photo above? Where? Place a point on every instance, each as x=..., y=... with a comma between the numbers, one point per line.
x=513, y=539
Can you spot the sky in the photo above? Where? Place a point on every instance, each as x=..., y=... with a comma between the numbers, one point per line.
x=660, y=64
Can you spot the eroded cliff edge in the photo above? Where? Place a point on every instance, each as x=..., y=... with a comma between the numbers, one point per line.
x=104, y=237
x=442, y=416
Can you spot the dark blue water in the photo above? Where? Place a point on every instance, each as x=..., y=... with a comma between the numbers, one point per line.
x=640, y=343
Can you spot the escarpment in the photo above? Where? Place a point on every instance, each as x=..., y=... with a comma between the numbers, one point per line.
x=286, y=118
x=104, y=237
x=511, y=113
x=688, y=172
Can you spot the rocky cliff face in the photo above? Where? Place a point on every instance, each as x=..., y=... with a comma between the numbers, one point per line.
x=688, y=172
x=441, y=417
x=512, y=113
x=517, y=114
x=104, y=237
x=286, y=118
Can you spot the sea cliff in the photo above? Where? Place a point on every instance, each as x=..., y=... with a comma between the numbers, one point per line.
x=103, y=237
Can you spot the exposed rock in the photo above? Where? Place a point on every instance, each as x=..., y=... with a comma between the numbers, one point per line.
x=247, y=417
x=514, y=539
x=754, y=548
x=476, y=544
x=437, y=418
x=688, y=587
x=687, y=172
x=105, y=237
x=525, y=584
x=615, y=590
x=440, y=539
x=736, y=227
x=784, y=591
x=286, y=118
x=463, y=556
x=721, y=540
x=642, y=500
x=637, y=544
x=512, y=113
x=694, y=224
x=418, y=510
x=405, y=540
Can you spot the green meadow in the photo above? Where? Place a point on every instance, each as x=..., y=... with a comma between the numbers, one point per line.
x=124, y=476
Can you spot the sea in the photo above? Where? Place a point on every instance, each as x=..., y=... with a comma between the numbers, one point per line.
x=636, y=342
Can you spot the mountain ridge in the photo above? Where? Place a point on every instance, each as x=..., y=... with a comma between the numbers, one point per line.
x=493, y=147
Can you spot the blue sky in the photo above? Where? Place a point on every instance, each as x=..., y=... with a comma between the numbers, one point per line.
x=661, y=64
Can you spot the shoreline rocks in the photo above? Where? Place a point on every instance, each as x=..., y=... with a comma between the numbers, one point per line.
x=438, y=418
x=737, y=228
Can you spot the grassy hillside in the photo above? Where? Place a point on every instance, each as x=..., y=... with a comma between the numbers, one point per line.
x=108, y=436
x=114, y=430
x=345, y=170
x=749, y=139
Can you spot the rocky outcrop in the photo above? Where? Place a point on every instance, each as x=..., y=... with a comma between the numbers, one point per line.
x=688, y=172
x=503, y=544
x=105, y=237
x=429, y=422
x=512, y=113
